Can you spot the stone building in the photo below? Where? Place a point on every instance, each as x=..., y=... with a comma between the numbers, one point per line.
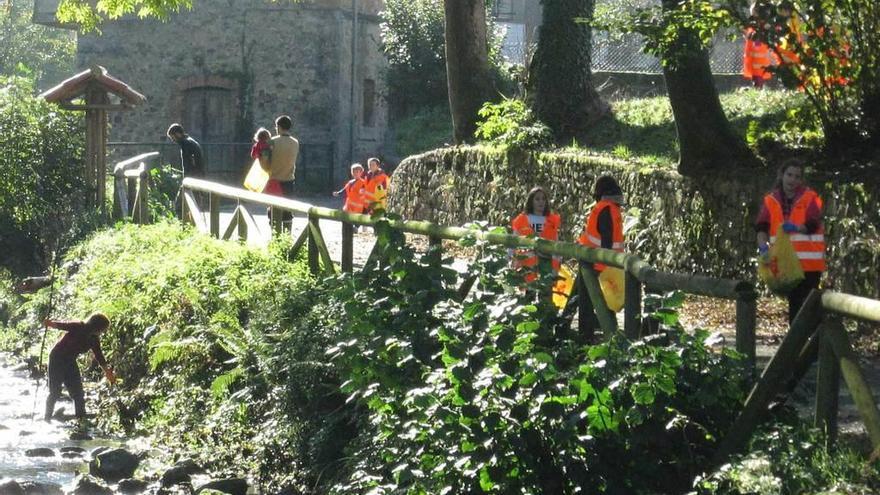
x=229, y=66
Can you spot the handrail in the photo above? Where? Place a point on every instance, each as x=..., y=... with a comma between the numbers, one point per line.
x=693, y=284
x=852, y=306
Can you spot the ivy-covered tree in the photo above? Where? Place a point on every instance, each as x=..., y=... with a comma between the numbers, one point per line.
x=560, y=81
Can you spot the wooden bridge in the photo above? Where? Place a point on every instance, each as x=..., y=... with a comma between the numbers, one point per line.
x=817, y=330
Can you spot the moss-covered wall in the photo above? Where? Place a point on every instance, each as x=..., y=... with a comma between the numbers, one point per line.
x=682, y=224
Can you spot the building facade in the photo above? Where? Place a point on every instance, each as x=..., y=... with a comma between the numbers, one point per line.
x=227, y=67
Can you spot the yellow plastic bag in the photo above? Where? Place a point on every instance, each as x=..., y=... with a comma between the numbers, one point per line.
x=611, y=280
x=562, y=287
x=256, y=178
x=780, y=269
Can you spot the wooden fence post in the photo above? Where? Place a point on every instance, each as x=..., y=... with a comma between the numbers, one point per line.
x=313, y=245
x=607, y=319
x=746, y=320
x=855, y=382
x=143, y=210
x=632, y=309
x=214, y=215
x=347, y=261
x=803, y=326
x=827, y=386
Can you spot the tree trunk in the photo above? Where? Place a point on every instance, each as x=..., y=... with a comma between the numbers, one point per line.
x=560, y=85
x=467, y=64
x=706, y=140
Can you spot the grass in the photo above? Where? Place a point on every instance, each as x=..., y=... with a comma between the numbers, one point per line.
x=643, y=129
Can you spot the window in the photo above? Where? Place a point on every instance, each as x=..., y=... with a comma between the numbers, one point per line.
x=369, y=101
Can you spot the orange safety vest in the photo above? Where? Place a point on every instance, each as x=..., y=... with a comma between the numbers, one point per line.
x=810, y=248
x=591, y=236
x=354, y=196
x=521, y=226
x=375, y=191
x=757, y=57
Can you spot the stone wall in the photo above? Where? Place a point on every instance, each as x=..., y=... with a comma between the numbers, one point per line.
x=266, y=58
x=678, y=223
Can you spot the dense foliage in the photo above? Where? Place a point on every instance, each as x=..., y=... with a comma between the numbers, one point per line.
x=41, y=186
x=836, y=45
x=488, y=393
x=412, y=34
x=511, y=123
x=41, y=53
x=392, y=380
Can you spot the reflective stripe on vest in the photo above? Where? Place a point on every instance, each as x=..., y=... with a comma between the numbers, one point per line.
x=810, y=248
x=591, y=236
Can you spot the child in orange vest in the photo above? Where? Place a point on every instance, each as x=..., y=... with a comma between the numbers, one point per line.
x=536, y=218
x=376, y=189
x=797, y=210
x=354, y=190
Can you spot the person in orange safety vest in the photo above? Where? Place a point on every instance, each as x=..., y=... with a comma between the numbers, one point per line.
x=536, y=218
x=376, y=190
x=354, y=190
x=797, y=210
x=757, y=55
x=604, y=224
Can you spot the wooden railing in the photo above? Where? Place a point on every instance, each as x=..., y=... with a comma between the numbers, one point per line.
x=131, y=179
x=639, y=274
x=816, y=332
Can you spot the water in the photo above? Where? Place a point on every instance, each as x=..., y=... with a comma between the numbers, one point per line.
x=22, y=428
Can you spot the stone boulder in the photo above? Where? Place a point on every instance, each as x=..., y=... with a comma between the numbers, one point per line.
x=114, y=465
x=11, y=487
x=230, y=486
x=38, y=488
x=40, y=452
x=89, y=485
x=130, y=485
x=175, y=476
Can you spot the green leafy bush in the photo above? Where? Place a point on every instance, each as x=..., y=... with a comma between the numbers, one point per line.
x=41, y=184
x=220, y=349
x=792, y=459
x=488, y=393
x=511, y=123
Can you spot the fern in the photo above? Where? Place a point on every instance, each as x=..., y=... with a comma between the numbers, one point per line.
x=221, y=385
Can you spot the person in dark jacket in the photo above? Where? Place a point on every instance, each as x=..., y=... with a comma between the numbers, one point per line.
x=81, y=337
x=191, y=158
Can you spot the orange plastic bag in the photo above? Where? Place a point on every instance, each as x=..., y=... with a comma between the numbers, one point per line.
x=780, y=269
x=562, y=287
x=611, y=281
x=256, y=178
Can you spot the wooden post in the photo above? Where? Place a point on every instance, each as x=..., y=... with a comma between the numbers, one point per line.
x=313, y=246
x=586, y=315
x=855, y=382
x=607, y=319
x=214, y=215
x=242, y=224
x=827, y=387
x=143, y=194
x=347, y=247
x=276, y=217
x=632, y=309
x=746, y=320
x=803, y=326
x=315, y=233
